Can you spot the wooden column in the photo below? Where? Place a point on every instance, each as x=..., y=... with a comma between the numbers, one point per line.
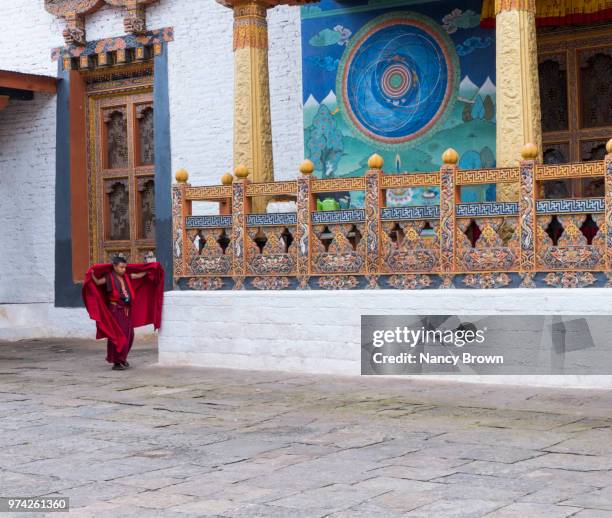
x=252, y=123
x=4, y=100
x=518, y=93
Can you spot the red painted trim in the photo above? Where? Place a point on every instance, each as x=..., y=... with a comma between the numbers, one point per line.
x=571, y=19
x=79, y=195
x=30, y=82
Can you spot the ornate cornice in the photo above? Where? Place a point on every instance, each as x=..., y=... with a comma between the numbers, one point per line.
x=250, y=25
x=75, y=11
x=515, y=5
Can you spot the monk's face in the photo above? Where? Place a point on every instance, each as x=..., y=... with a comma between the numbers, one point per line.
x=119, y=268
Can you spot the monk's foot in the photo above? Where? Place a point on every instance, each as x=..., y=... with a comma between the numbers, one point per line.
x=118, y=367
x=125, y=364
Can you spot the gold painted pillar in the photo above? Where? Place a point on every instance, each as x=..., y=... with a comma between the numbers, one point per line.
x=252, y=123
x=518, y=92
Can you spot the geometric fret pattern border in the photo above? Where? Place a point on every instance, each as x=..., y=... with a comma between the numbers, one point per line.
x=274, y=218
x=465, y=210
x=338, y=216
x=213, y=221
x=570, y=206
x=409, y=213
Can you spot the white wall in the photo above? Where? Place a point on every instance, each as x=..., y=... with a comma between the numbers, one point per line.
x=27, y=186
x=201, y=108
x=201, y=79
x=319, y=331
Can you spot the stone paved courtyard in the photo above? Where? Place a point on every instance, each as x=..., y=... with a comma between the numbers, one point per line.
x=183, y=442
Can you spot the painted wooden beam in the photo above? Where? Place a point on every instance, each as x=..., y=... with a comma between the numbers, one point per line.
x=30, y=82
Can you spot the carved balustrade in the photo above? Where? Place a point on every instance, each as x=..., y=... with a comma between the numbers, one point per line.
x=527, y=242
x=487, y=234
x=570, y=233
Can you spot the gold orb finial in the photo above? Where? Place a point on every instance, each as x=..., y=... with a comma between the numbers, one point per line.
x=227, y=179
x=307, y=167
x=450, y=156
x=241, y=171
x=609, y=147
x=529, y=151
x=375, y=161
x=182, y=175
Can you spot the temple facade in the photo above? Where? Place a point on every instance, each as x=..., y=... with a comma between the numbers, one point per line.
x=273, y=145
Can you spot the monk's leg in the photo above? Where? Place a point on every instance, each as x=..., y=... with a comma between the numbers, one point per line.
x=113, y=354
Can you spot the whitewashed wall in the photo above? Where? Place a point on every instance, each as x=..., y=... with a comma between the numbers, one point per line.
x=201, y=100
x=319, y=331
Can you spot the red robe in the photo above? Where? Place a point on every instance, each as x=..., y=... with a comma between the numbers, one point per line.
x=145, y=308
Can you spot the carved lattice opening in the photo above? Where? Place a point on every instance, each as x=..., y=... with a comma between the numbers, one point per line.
x=596, y=90
x=472, y=232
x=326, y=238
x=396, y=234
x=554, y=230
x=287, y=239
x=428, y=230
x=199, y=241
x=354, y=236
x=553, y=94
x=146, y=135
x=260, y=240
x=118, y=208
x=146, y=188
x=116, y=140
x=589, y=229
x=223, y=240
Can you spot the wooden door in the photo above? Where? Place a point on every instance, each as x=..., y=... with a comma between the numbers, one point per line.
x=122, y=172
x=576, y=102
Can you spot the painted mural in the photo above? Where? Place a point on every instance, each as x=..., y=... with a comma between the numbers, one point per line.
x=406, y=79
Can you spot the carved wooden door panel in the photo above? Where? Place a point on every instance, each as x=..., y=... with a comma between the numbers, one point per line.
x=122, y=175
x=576, y=102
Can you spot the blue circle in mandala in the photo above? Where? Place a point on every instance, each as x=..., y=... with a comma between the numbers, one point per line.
x=396, y=78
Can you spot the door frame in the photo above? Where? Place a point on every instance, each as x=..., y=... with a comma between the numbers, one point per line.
x=72, y=241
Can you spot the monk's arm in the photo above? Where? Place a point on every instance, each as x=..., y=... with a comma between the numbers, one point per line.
x=137, y=275
x=98, y=282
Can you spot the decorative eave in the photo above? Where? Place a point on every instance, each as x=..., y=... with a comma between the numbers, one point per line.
x=15, y=85
x=74, y=12
x=113, y=51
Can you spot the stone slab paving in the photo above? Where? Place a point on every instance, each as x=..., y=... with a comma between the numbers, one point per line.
x=183, y=442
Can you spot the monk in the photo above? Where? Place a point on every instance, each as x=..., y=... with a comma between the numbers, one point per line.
x=120, y=297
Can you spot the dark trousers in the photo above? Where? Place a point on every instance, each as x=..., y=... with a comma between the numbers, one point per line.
x=122, y=317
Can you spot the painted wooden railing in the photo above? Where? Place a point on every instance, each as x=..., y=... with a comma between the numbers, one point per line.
x=528, y=242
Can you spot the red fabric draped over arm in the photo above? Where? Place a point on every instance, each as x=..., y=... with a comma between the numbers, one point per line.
x=146, y=306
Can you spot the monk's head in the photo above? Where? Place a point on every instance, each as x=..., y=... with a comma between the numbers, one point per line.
x=119, y=264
